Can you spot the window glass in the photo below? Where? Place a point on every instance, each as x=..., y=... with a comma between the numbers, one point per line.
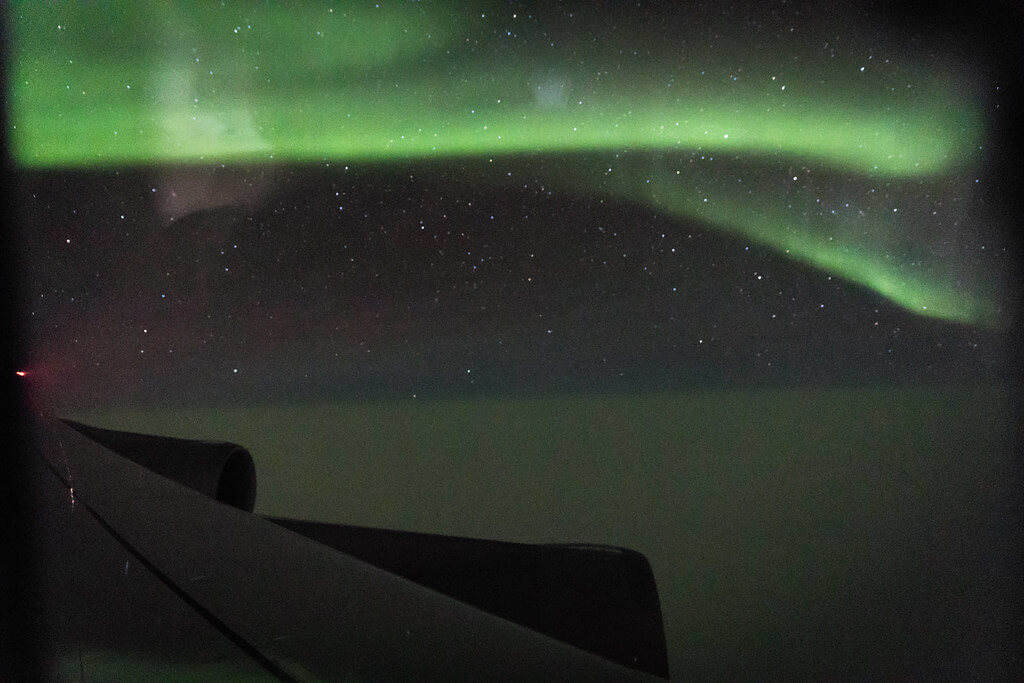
x=729, y=284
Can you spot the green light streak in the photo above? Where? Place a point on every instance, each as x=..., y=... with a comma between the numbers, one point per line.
x=921, y=291
x=854, y=234
x=118, y=115
x=141, y=84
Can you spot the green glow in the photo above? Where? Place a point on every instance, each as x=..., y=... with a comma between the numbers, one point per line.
x=106, y=122
x=864, y=241
x=143, y=83
x=146, y=83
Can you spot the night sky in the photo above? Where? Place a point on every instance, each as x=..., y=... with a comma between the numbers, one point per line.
x=368, y=282
x=250, y=204
x=732, y=285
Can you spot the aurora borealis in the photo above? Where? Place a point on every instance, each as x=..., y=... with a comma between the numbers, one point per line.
x=854, y=153
x=364, y=83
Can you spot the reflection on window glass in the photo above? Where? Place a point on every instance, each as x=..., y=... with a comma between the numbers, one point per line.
x=725, y=284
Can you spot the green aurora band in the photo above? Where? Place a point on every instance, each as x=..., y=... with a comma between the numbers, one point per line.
x=119, y=84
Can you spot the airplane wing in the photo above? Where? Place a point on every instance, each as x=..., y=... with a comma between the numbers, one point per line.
x=154, y=566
